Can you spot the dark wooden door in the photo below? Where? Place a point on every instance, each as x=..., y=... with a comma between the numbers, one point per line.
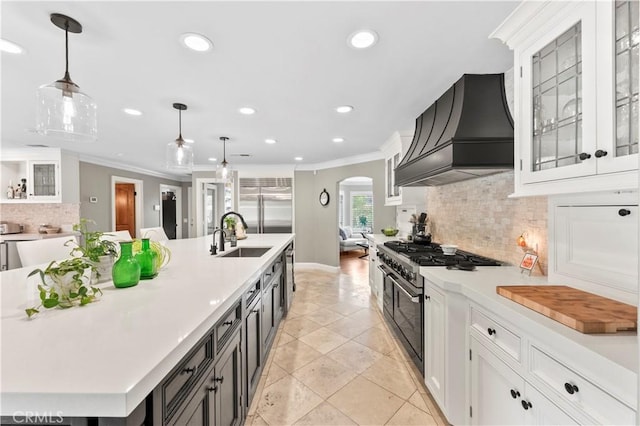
x=126, y=208
x=253, y=348
x=228, y=380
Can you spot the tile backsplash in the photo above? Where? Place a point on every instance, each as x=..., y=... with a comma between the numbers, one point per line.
x=478, y=216
x=33, y=215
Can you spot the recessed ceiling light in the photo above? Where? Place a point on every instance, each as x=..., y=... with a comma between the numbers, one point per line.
x=338, y=140
x=344, y=109
x=362, y=39
x=298, y=158
x=213, y=159
x=132, y=111
x=247, y=110
x=196, y=42
x=270, y=141
x=189, y=140
x=10, y=47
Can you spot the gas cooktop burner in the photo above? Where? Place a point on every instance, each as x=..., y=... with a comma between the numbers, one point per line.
x=432, y=255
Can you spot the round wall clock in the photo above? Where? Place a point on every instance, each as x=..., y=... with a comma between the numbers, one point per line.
x=324, y=197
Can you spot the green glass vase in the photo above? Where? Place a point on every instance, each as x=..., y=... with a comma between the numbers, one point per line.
x=148, y=261
x=126, y=270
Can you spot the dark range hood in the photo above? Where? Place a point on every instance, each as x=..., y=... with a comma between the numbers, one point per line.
x=466, y=133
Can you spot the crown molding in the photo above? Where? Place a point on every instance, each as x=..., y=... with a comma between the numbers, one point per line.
x=123, y=166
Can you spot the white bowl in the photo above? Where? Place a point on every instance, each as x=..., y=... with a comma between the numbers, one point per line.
x=449, y=249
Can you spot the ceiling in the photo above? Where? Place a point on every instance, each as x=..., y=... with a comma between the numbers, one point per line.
x=288, y=60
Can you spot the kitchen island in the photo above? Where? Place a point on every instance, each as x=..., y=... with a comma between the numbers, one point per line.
x=106, y=358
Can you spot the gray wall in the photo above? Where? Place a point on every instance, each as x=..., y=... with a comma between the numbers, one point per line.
x=316, y=227
x=95, y=181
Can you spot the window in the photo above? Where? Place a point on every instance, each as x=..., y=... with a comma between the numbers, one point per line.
x=361, y=210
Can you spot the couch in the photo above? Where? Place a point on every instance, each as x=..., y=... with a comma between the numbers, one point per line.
x=350, y=240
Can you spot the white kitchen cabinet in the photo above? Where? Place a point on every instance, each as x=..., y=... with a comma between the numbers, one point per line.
x=500, y=396
x=595, y=243
x=576, y=95
x=40, y=168
x=540, y=383
x=393, y=151
x=445, y=334
x=434, y=342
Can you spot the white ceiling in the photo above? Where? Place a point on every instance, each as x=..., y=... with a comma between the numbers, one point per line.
x=289, y=60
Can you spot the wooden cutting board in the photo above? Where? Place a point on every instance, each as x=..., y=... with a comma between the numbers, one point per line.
x=586, y=312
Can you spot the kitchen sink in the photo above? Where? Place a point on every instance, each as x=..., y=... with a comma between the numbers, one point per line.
x=246, y=252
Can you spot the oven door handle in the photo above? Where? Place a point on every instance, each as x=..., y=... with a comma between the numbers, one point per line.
x=385, y=272
x=414, y=299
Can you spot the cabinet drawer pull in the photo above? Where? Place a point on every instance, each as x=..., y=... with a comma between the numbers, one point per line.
x=256, y=311
x=570, y=388
x=514, y=393
x=227, y=323
x=218, y=379
x=601, y=153
x=584, y=156
x=189, y=370
x=526, y=404
x=624, y=212
x=491, y=331
x=276, y=285
x=427, y=297
x=212, y=389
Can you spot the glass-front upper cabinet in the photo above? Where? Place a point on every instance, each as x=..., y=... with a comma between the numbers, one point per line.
x=45, y=180
x=627, y=36
x=576, y=89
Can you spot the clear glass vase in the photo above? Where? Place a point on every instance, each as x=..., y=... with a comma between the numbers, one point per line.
x=148, y=262
x=126, y=270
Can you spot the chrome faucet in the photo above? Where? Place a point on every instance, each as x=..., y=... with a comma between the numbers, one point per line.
x=221, y=245
x=213, y=248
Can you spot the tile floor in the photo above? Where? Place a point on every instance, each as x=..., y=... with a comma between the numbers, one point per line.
x=335, y=362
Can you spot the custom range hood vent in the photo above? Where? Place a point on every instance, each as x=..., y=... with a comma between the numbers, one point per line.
x=466, y=133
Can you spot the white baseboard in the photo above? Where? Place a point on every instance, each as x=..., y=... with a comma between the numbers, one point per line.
x=321, y=266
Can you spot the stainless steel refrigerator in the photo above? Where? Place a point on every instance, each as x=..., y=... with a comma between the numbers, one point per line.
x=265, y=204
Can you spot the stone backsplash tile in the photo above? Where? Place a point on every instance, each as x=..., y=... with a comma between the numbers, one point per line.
x=478, y=216
x=33, y=215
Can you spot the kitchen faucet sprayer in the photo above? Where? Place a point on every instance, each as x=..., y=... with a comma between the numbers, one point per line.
x=221, y=244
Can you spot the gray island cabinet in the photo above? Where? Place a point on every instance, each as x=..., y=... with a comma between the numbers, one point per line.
x=207, y=351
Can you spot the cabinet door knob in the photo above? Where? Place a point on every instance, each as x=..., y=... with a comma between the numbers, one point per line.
x=491, y=331
x=601, y=153
x=570, y=388
x=427, y=297
x=212, y=389
x=218, y=379
x=584, y=156
x=526, y=404
x=624, y=212
x=514, y=393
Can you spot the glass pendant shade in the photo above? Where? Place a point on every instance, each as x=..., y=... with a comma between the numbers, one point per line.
x=62, y=109
x=179, y=155
x=69, y=114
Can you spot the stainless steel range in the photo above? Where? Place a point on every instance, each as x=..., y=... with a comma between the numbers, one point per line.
x=403, y=287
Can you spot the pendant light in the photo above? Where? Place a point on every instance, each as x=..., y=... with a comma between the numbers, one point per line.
x=225, y=171
x=63, y=110
x=179, y=154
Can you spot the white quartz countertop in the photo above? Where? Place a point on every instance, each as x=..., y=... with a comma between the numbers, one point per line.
x=380, y=238
x=480, y=287
x=25, y=236
x=103, y=359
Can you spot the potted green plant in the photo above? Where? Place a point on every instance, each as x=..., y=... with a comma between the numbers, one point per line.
x=65, y=283
x=363, y=222
x=102, y=252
